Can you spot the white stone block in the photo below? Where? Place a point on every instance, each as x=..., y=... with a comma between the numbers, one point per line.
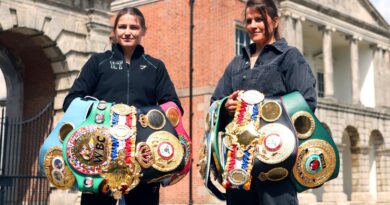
x=64, y=197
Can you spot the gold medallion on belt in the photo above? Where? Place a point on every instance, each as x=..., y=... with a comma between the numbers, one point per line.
x=276, y=144
x=56, y=170
x=315, y=164
x=121, y=109
x=87, y=149
x=121, y=177
x=167, y=150
x=154, y=119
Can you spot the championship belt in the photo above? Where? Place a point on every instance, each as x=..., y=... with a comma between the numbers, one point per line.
x=318, y=159
x=259, y=143
x=117, y=146
x=86, y=148
x=169, y=152
x=209, y=155
x=51, y=160
x=174, y=116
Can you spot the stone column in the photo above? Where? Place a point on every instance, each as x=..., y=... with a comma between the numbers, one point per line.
x=328, y=60
x=298, y=31
x=383, y=175
x=333, y=190
x=379, y=81
x=360, y=180
x=386, y=75
x=354, y=49
x=287, y=29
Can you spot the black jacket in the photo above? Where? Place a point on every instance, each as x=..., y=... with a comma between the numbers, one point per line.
x=106, y=76
x=279, y=70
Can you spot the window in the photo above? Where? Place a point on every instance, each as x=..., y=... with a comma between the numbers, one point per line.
x=242, y=39
x=320, y=84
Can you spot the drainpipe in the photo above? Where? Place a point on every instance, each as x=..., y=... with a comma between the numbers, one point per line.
x=190, y=199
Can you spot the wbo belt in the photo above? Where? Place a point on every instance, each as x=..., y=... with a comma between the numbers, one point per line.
x=118, y=145
x=318, y=159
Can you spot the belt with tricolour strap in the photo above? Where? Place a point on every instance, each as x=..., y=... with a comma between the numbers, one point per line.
x=118, y=145
x=263, y=141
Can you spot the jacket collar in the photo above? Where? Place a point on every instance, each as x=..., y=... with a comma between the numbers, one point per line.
x=118, y=51
x=279, y=45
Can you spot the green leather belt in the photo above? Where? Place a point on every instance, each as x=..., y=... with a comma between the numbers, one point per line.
x=283, y=137
x=318, y=158
x=118, y=145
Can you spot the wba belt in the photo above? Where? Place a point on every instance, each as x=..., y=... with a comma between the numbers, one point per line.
x=118, y=145
x=259, y=143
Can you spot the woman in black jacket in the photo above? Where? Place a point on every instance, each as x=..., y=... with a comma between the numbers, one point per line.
x=126, y=75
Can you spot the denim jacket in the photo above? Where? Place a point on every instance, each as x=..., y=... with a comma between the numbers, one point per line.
x=279, y=70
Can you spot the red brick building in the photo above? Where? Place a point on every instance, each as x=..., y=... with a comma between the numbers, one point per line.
x=337, y=39
x=168, y=38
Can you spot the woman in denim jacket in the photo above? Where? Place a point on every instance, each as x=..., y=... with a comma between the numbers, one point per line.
x=272, y=67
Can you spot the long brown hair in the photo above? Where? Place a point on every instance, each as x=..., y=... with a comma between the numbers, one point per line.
x=264, y=7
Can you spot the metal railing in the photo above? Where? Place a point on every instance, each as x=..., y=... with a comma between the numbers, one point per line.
x=20, y=178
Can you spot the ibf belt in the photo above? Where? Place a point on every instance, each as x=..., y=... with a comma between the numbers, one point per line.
x=51, y=160
x=56, y=171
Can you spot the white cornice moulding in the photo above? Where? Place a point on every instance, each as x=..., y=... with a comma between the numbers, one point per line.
x=120, y=4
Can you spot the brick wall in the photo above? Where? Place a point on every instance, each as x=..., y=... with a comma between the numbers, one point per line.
x=167, y=38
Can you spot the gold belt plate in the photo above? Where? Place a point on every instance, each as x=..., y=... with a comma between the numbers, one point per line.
x=276, y=144
x=167, y=150
x=323, y=154
x=56, y=170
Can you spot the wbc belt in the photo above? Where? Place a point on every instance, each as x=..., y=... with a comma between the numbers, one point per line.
x=118, y=145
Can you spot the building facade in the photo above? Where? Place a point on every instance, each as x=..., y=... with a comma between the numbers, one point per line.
x=43, y=45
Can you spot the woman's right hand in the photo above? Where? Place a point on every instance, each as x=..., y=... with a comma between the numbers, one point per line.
x=231, y=103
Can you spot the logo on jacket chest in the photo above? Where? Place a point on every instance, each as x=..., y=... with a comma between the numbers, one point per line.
x=116, y=65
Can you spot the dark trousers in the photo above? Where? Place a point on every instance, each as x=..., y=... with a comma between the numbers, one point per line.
x=264, y=193
x=147, y=194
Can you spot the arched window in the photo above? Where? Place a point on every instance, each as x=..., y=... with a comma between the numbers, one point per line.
x=375, y=143
x=350, y=140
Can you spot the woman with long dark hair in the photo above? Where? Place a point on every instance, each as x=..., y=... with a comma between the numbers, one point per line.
x=272, y=67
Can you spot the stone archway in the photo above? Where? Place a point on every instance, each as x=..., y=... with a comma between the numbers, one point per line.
x=350, y=140
x=30, y=79
x=66, y=31
x=44, y=45
x=376, y=166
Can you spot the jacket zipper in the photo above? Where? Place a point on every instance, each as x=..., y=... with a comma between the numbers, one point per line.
x=128, y=83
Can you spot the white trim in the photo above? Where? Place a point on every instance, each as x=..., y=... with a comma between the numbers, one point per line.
x=120, y=4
